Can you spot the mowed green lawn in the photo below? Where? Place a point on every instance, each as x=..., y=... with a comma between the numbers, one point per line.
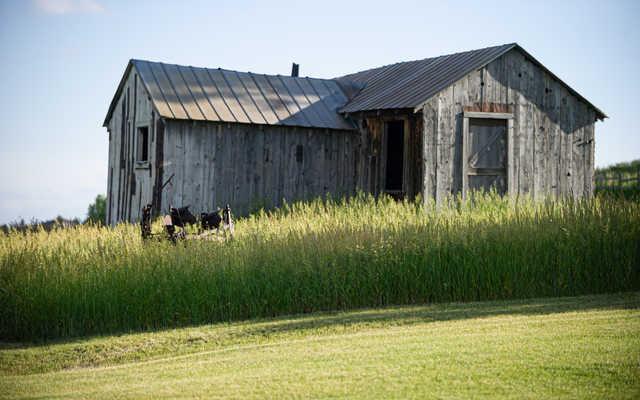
x=578, y=347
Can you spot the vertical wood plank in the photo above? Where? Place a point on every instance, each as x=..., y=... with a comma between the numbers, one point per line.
x=465, y=152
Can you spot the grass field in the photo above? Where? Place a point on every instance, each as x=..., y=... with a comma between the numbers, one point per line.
x=574, y=347
x=312, y=257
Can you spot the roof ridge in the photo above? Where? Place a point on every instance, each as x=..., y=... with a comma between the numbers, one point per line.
x=135, y=60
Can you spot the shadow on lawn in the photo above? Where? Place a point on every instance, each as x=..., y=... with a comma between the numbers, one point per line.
x=406, y=315
x=396, y=316
x=25, y=358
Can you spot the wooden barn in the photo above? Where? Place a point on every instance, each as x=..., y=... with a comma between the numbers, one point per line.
x=489, y=118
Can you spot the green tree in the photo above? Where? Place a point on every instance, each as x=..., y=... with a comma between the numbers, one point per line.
x=97, y=212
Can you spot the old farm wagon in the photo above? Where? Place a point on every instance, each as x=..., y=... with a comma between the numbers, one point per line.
x=488, y=118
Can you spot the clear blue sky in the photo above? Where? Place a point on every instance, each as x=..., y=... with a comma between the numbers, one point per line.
x=62, y=60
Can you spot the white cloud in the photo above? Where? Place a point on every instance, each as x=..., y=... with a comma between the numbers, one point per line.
x=61, y=7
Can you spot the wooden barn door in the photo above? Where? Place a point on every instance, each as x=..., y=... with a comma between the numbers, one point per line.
x=485, y=164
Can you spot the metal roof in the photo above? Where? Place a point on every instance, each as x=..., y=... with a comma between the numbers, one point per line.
x=190, y=93
x=409, y=84
x=204, y=94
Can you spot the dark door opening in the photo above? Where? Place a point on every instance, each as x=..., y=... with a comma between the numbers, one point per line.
x=395, y=158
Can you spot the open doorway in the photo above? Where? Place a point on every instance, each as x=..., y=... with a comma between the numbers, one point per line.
x=395, y=159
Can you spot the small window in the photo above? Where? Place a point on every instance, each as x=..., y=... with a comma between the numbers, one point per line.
x=299, y=153
x=143, y=144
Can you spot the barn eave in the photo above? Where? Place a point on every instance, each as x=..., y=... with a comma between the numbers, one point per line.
x=351, y=128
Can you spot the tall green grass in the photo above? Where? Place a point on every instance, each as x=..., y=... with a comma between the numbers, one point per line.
x=322, y=255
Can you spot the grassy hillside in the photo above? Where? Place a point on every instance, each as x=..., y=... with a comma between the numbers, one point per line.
x=572, y=347
x=314, y=257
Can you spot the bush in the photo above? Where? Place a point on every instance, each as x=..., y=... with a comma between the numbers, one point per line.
x=97, y=212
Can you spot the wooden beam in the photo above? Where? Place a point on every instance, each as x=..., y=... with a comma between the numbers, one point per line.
x=476, y=114
x=465, y=145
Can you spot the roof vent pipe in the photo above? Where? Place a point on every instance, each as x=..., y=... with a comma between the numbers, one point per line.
x=295, y=69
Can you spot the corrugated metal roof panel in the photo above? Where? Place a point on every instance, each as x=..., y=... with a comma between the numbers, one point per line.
x=168, y=93
x=316, y=104
x=301, y=100
x=154, y=90
x=331, y=95
x=407, y=84
x=181, y=92
x=295, y=116
x=198, y=94
x=258, y=98
x=223, y=113
x=244, y=98
x=271, y=96
x=229, y=96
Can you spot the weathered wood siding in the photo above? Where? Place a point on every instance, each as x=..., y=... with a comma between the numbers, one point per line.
x=210, y=164
x=252, y=166
x=129, y=184
x=553, y=131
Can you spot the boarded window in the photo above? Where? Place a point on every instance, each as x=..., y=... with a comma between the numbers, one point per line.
x=143, y=143
x=133, y=185
x=487, y=154
x=299, y=153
